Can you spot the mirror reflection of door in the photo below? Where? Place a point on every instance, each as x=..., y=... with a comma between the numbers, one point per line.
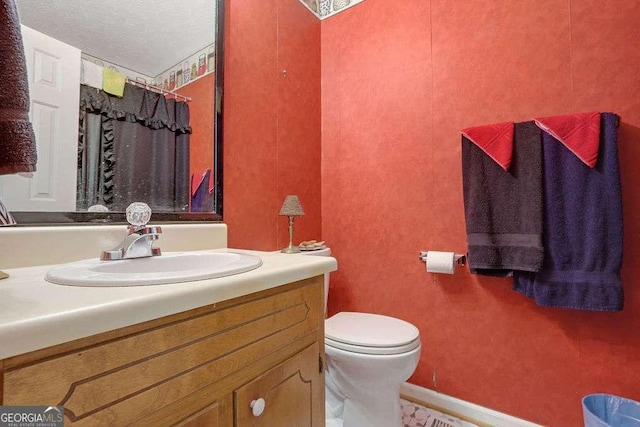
x=62, y=181
x=54, y=83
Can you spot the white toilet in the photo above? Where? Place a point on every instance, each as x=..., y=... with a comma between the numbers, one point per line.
x=368, y=357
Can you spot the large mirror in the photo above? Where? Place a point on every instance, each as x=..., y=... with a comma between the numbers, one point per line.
x=126, y=106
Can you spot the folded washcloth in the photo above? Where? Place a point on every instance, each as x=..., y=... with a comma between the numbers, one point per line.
x=17, y=140
x=503, y=209
x=113, y=82
x=92, y=74
x=580, y=133
x=582, y=228
x=495, y=140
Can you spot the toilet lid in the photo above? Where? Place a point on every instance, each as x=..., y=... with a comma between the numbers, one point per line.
x=370, y=330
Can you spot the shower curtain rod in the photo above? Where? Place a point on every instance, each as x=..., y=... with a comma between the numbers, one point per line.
x=158, y=89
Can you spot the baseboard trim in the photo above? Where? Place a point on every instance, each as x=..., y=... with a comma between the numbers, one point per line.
x=460, y=408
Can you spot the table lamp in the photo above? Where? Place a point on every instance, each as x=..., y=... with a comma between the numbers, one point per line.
x=291, y=208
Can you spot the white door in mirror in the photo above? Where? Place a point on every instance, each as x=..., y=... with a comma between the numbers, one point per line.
x=54, y=87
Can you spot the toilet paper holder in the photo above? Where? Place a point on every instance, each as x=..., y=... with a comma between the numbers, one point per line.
x=459, y=259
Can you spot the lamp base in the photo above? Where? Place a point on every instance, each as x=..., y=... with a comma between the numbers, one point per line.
x=291, y=250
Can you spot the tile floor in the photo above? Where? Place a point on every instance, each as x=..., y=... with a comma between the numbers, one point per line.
x=414, y=415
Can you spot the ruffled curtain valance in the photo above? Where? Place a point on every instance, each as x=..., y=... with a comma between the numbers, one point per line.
x=145, y=107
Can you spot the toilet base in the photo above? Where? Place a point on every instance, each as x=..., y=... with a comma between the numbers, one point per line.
x=377, y=408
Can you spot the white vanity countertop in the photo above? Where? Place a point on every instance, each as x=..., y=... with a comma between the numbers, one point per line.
x=36, y=314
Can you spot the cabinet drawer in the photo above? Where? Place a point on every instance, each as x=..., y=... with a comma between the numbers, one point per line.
x=292, y=394
x=122, y=380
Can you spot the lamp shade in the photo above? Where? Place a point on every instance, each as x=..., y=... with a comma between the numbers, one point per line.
x=291, y=207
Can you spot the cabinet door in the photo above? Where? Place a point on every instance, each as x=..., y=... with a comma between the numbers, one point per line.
x=293, y=394
x=217, y=414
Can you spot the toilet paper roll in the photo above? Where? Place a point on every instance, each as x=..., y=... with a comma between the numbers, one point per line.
x=440, y=262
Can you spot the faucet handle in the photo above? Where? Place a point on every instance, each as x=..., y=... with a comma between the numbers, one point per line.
x=138, y=214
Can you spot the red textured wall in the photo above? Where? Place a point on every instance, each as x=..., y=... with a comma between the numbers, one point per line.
x=201, y=105
x=272, y=122
x=399, y=80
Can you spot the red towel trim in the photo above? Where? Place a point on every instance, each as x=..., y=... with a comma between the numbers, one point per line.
x=496, y=140
x=580, y=133
x=196, y=182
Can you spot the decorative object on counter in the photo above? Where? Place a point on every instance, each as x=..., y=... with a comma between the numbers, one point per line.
x=17, y=140
x=311, y=245
x=291, y=208
x=3, y=275
x=5, y=216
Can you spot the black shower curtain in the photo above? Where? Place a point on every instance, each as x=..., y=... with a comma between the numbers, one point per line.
x=134, y=148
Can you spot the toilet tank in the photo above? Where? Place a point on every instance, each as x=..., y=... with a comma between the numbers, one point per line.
x=322, y=252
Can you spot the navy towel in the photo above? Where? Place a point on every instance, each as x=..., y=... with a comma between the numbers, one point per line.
x=582, y=228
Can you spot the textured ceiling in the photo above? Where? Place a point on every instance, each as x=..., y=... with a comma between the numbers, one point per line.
x=148, y=36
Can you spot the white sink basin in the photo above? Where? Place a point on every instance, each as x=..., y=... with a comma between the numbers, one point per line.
x=157, y=270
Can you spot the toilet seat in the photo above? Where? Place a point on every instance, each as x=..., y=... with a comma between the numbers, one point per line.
x=372, y=350
x=370, y=334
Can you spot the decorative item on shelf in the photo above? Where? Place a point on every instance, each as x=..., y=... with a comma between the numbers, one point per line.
x=202, y=64
x=194, y=71
x=179, y=79
x=186, y=72
x=211, y=54
x=291, y=208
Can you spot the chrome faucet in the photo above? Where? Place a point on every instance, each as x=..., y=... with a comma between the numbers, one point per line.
x=139, y=241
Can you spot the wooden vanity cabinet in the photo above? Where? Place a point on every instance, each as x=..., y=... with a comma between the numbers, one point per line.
x=203, y=367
